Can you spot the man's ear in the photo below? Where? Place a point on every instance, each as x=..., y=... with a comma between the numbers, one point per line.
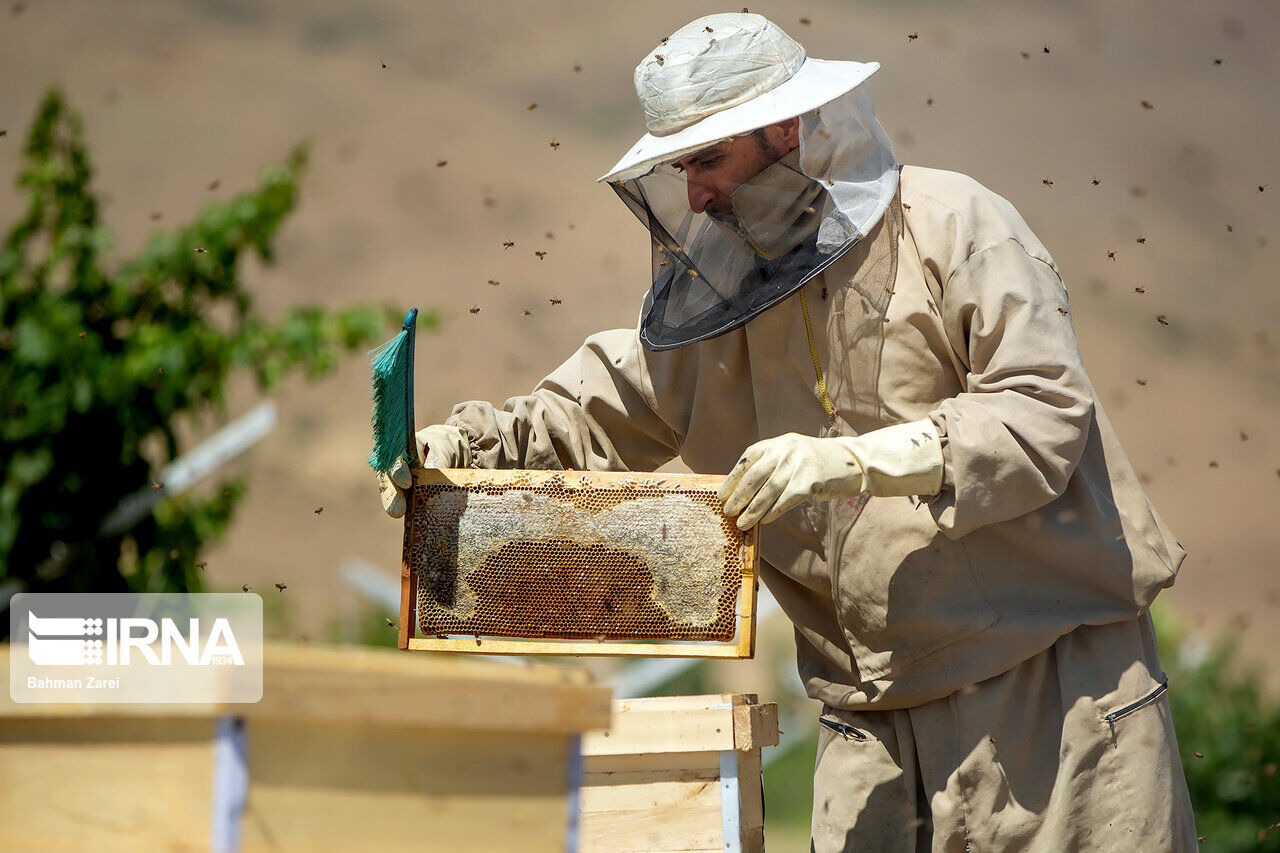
x=790, y=133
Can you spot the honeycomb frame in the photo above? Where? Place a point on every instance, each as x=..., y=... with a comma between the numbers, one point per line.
x=634, y=624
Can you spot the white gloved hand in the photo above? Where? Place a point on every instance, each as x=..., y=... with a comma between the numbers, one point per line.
x=439, y=446
x=777, y=474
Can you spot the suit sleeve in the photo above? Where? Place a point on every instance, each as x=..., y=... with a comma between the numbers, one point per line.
x=1013, y=437
x=595, y=412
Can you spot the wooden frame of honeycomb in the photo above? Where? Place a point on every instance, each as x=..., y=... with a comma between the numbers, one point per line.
x=575, y=563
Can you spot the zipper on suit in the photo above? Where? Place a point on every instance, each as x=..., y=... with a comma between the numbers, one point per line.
x=1134, y=706
x=847, y=731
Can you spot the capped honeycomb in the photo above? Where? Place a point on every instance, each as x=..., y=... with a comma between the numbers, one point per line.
x=535, y=556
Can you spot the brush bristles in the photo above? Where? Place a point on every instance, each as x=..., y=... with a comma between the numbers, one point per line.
x=390, y=418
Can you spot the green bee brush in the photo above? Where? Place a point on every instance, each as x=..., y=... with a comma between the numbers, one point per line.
x=393, y=400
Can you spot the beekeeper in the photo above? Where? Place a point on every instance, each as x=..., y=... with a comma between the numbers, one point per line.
x=881, y=359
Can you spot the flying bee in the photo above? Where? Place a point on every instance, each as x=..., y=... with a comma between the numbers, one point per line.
x=201, y=251
x=213, y=185
x=202, y=565
x=1062, y=311
x=384, y=65
x=1147, y=105
x=440, y=164
x=1111, y=256
x=1025, y=55
x=507, y=244
x=1162, y=320
x=391, y=623
x=528, y=313
x=1047, y=182
x=555, y=301
x=554, y=145
x=532, y=107
x=1142, y=240
x=318, y=510
x=1096, y=181
x=540, y=254
x=475, y=309
x=245, y=588
x=913, y=37
x=155, y=217
x=1217, y=62
x=805, y=22
x=1139, y=290
x=494, y=282
x=1229, y=228
x=1046, y=48
x=708, y=29
x=281, y=587
x=577, y=69
x=1141, y=381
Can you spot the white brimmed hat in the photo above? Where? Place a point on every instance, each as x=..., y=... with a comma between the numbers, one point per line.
x=723, y=76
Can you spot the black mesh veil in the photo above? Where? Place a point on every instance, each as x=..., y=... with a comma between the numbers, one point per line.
x=711, y=276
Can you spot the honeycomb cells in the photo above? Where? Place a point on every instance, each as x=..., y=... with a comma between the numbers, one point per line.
x=558, y=560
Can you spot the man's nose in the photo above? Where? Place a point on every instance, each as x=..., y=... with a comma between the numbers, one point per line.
x=700, y=195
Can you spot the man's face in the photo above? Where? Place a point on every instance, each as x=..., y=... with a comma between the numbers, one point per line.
x=713, y=174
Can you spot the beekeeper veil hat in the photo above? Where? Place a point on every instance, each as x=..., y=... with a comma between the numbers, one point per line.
x=721, y=77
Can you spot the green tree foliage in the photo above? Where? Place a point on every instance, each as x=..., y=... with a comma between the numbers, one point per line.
x=99, y=365
x=1229, y=740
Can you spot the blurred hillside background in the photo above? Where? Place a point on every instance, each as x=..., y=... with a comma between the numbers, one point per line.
x=440, y=130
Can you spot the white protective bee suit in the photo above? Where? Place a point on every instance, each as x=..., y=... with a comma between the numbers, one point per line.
x=971, y=602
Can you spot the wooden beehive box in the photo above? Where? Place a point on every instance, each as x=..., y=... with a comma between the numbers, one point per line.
x=575, y=563
x=677, y=774
x=349, y=749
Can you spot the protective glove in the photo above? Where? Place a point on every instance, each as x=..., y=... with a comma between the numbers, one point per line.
x=439, y=446
x=780, y=473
